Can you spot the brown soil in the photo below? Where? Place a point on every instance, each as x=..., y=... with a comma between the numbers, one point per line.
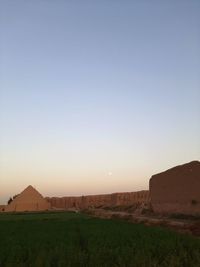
x=186, y=226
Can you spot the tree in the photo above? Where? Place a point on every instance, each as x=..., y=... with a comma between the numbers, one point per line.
x=15, y=196
x=10, y=200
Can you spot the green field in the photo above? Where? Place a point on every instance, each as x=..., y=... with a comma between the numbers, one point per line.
x=71, y=239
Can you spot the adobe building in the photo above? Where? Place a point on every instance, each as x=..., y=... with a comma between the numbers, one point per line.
x=177, y=190
x=29, y=200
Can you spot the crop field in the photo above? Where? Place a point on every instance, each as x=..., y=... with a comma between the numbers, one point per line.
x=74, y=239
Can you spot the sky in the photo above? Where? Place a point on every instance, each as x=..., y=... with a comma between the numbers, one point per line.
x=96, y=96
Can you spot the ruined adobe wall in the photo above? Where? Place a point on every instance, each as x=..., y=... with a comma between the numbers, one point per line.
x=107, y=200
x=130, y=198
x=177, y=190
x=82, y=202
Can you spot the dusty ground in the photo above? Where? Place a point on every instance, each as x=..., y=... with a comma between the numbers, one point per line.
x=187, y=225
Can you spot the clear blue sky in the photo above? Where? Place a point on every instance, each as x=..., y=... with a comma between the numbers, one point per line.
x=96, y=96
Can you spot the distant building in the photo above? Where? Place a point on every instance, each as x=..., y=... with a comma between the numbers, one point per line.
x=177, y=190
x=29, y=200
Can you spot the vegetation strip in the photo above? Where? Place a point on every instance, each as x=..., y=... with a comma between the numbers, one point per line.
x=75, y=239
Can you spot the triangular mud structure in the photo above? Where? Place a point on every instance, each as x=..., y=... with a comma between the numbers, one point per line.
x=29, y=200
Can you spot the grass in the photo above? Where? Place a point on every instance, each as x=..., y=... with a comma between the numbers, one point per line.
x=70, y=239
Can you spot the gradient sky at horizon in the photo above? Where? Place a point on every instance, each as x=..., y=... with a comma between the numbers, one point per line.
x=96, y=96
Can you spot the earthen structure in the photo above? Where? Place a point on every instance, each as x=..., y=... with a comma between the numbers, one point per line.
x=95, y=201
x=29, y=200
x=177, y=190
